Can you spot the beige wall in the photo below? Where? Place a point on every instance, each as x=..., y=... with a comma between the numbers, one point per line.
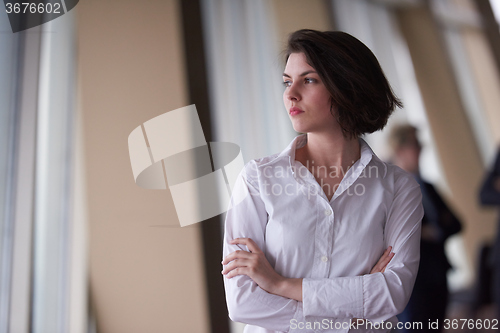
x=486, y=77
x=484, y=69
x=292, y=15
x=143, y=278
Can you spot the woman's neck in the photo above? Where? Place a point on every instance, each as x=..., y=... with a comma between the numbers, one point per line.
x=330, y=149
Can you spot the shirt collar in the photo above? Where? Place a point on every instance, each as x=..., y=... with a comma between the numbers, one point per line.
x=299, y=141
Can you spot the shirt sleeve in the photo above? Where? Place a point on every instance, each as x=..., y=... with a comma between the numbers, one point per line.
x=380, y=296
x=246, y=301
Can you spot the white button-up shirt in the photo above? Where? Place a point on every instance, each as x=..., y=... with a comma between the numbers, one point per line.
x=331, y=244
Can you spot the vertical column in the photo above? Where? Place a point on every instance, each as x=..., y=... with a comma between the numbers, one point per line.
x=194, y=50
x=483, y=48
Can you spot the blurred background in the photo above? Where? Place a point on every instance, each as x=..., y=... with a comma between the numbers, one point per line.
x=83, y=249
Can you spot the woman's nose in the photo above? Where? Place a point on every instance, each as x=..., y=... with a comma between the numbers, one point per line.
x=292, y=93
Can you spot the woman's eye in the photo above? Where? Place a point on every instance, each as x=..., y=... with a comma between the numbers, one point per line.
x=287, y=83
x=309, y=80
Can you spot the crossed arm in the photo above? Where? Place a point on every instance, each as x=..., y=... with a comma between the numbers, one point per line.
x=255, y=265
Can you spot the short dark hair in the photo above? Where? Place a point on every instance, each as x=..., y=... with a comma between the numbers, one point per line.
x=353, y=76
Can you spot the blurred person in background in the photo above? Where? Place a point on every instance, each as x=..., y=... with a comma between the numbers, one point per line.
x=430, y=293
x=490, y=196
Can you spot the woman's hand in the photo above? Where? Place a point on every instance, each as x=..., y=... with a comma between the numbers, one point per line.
x=253, y=264
x=383, y=261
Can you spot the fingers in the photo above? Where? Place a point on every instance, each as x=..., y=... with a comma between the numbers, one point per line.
x=386, y=257
x=231, y=269
x=383, y=261
x=385, y=254
x=391, y=255
x=237, y=271
x=238, y=262
x=240, y=254
x=252, y=246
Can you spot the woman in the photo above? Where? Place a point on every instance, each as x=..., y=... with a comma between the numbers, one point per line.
x=318, y=218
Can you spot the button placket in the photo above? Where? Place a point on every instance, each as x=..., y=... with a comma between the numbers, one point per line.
x=322, y=241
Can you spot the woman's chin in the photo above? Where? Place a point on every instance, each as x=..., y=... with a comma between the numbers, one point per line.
x=299, y=129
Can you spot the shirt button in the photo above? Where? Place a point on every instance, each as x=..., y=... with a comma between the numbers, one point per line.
x=328, y=212
x=324, y=258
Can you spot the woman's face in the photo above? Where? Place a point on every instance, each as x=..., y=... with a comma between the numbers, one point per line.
x=306, y=98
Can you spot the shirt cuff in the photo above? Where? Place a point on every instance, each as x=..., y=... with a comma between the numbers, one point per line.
x=341, y=297
x=297, y=318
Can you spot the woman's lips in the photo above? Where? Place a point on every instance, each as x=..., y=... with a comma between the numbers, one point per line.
x=295, y=111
